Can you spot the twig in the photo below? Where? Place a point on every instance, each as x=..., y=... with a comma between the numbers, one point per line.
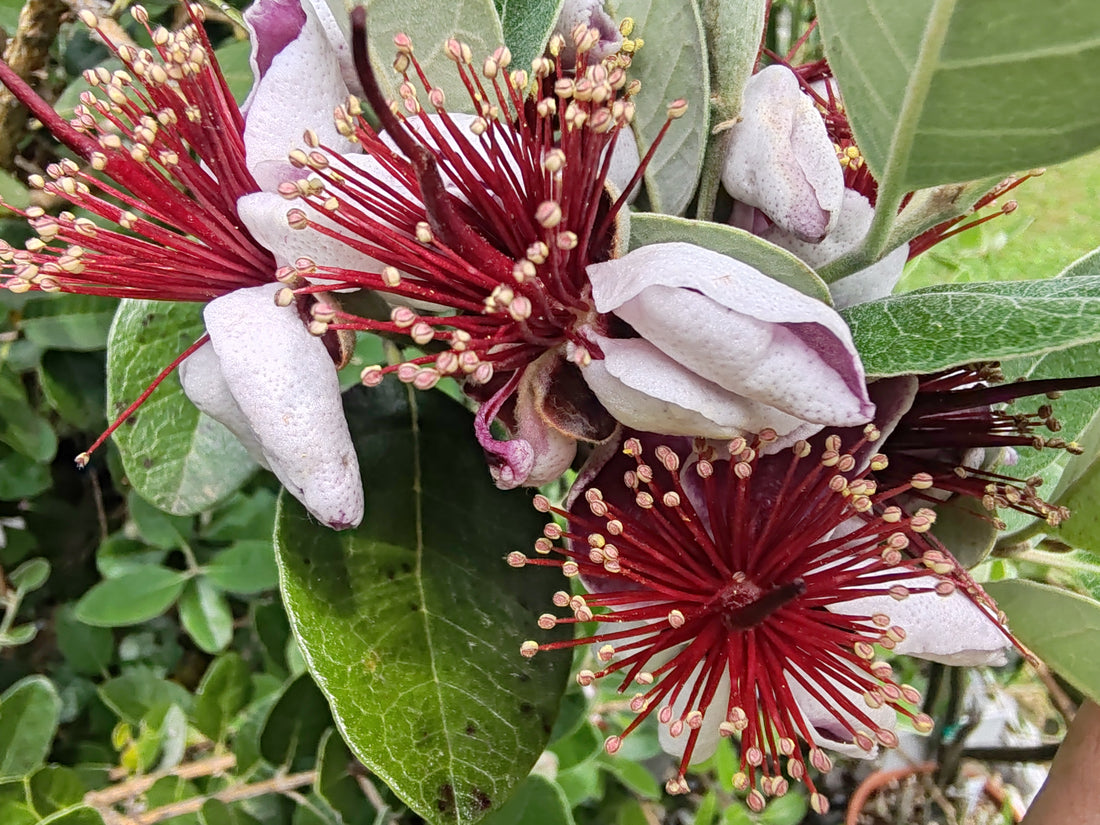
x=1060, y=699
x=26, y=53
x=277, y=784
x=877, y=780
x=140, y=784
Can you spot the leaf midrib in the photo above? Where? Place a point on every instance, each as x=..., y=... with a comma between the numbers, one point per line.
x=418, y=516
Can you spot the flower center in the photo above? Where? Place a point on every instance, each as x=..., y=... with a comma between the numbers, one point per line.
x=743, y=604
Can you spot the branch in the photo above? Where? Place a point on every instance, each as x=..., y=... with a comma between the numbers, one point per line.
x=26, y=53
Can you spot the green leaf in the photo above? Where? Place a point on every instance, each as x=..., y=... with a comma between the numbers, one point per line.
x=944, y=326
x=964, y=527
x=74, y=384
x=139, y=690
x=30, y=575
x=789, y=809
x=335, y=784
x=131, y=598
x=72, y=322
x=222, y=694
x=537, y=801
x=429, y=24
x=418, y=604
x=22, y=477
x=733, y=29
x=29, y=713
x=21, y=427
x=54, y=788
x=78, y=816
x=118, y=555
x=527, y=25
x=295, y=724
x=945, y=90
x=245, y=567
x=233, y=59
x=87, y=649
x=159, y=529
x=179, y=459
x=647, y=228
x=1060, y=627
x=205, y=615
x=671, y=65
x=633, y=775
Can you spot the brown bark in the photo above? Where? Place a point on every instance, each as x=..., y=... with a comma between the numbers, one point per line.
x=27, y=52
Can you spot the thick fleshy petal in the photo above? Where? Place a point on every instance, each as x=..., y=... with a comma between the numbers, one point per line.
x=948, y=629
x=301, y=87
x=739, y=329
x=264, y=213
x=780, y=158
x=592, y=14
x=876, y=281
x=285, y=385
x=709, y=735
x=203, y=383
x=646, y=390
x=829, y=724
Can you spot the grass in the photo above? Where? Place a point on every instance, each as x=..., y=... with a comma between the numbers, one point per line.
x=1057, y=221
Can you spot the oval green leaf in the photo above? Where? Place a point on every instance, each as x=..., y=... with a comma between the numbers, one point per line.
x=131, y=598
x=1060, y=627
x=527, y=25
x=411, y=623
x=672, y=64
x=647, y=228
x=29, y=714
x=944, y=326
x=176, y=457
x=946, y=90
x=205, y=615
x=430, y=23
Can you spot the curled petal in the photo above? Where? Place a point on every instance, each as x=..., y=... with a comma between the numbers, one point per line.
x=592, y=14
x=300, y=88
x=646, y=390
x=284, y=384
x=737, y=328
x=875, y=281
x=830, y=724
x=780, y=158
x=949, y=629
x=536, y=454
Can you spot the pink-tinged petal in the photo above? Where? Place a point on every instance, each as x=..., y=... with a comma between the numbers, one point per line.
x=299, y=91
x=535, y=454
x=592, y=14
x=739, y=329
x=830, y=724
x=876, y=281
x=285, y=384
x=205, y=386
x=272, y=25
x=646, y=390
x=780, y=157
x=264, y=213
x=949, y=629
x=706, y=743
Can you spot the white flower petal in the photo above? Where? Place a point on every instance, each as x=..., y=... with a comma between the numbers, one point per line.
x=264, y=214
x=299, y=91
x=645, y=389
x=780, y=158
x=876, y=281
x=739, y=329
x=831, y=724
x=285, y=384
x=709, y=735
x=948, y=629
x=203, y=383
